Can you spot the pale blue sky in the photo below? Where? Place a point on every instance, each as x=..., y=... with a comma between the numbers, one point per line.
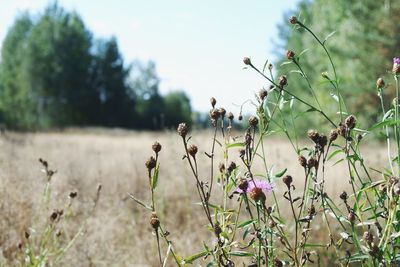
x=197, y=45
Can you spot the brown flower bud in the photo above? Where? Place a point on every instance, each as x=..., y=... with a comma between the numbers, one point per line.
x=368, y=237
x=333, y=135
x=217, y=229
x=214, y=114
x=351, y=217
x=222, y=112
x=232, y=167
x=293, y=20
x=240, y=117
x=253, y=121
x=183, y=129
x=287, y=180
x=350, y=122
x=313, y=135
x=221, y=167
x=282, y=81
x=323, y=140
x=213, y=101
x=192, y=149
x=278, y=263
x=380, y=83
x=263, y=94
x=312, y=162
x=303, y=161
x=154, y=221
x=73, y=194
x=247, y=61
x=344, y=196
x=151, y=163
x=290, y=55
x=156, y=147
x=257, y=195
x=242, y=153
x=243, y=185
x=230, y=116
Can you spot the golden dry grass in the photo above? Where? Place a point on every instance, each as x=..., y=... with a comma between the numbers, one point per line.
x=118, y=234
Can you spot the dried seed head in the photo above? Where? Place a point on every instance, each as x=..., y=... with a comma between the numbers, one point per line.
x=214, y=114
x=240, y=117
x=217, y=229
x=333, y=135
x=213, y=101
x=156, y=147
x=43, y=162
x=293, y=20
x=303, y=161
x=73, y=194
x=192, y=149
x=222, y=112
x=290, y=54
x=350, y=122
x=368, y=237
x=183, y=129
x=351, y=217
x=313, y=135
x=270, y=66
x=257, y=195
x=277, y=262
x=375, y=250
x=287, y=180
x=221, y=167
x=380, y=83
x=253, y=121
x=272, y=224
x=27, y=235
x=312, y=162
x=282, y=81
x=56, y=215
x=230, y=116
x=263, y=94
x=342, y=130
x=151, y=163
x=242, y=153
x=231, y=167
x=323, y=140
x=343, y=195
x=311, y=210
x=243, y=185
x=247, y=61
x=154, y=221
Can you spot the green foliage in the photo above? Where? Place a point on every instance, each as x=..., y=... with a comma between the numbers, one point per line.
x=364, y=42
x=52, y=74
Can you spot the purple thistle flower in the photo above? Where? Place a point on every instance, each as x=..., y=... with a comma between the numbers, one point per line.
x=263, y=184
x=396, y=65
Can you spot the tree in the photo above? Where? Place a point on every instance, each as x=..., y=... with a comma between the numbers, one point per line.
x=177, y=109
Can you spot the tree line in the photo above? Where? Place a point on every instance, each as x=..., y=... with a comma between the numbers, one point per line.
x=55, y=74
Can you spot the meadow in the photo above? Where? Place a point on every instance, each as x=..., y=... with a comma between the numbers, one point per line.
x=118, y=232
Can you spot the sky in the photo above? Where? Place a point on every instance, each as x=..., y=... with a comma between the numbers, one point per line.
x=198, y=46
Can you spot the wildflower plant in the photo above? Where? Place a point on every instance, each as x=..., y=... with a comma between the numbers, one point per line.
x=260, y=217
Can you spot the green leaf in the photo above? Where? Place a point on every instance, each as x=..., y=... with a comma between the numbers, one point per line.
x=281, y=173
x=154, y=179
x=384, y=123
x=238, y=144
x=241, y=254
x=245, y=223
x=140, y=202
x=314, y=246
x=334, y=154
x=328, y=36
x=194, y=257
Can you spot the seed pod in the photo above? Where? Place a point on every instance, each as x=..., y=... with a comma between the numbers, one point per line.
x=253, y=121
x=350, y=122
x=313, y=135
x=290, y=55
x=192, y=150
x=333, y=135
x=213, y=101
x=303, y=161
x=222, y=112
x=230, y=116
x=263, y=94
x=343, y=196
x=287, y=180
x=182, y=129
x=322, y=140
x=312, y=162
x=351, y=217
x=151, y=163
x=242, y=153
x=240, y=117
x=217, y=229
x=73, y=194
x=221, y=167
x=258, y=195
x=154, y=221
x=156, y=147
x=232, y=167
x=247, y=61
x=282, y=81
x=270, y=66
x=243, y=185
x=293, y=20
x=380, y=83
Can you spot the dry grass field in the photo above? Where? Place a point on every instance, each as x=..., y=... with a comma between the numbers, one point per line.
x=118, y=232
